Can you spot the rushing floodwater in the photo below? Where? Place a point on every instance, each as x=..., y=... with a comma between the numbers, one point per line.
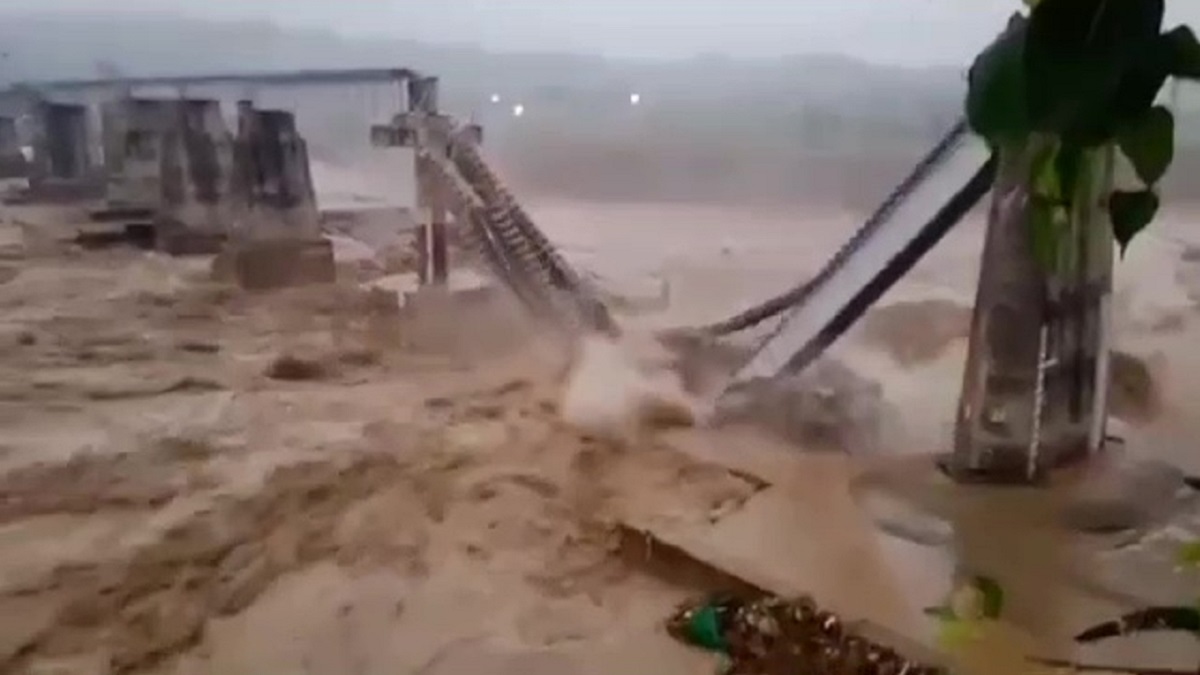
x=717, y=260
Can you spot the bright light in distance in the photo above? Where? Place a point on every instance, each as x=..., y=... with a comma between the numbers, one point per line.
x=518, y=110
x=635, y=99
x=495, y=98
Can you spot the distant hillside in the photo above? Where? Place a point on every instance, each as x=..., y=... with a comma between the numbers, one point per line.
x=712, y=127
x=51, y=46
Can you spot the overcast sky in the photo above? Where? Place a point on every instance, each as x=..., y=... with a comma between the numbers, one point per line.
x=911, y=32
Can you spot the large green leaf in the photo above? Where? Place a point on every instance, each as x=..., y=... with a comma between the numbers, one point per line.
x=1149, y=143
x=996, y=87
x=1140, y=83
x=1131, y=212
x=1075, y=57
x=1182, y=52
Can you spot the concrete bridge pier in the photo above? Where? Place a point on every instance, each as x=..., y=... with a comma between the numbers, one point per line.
x=275, y=239
x=62, y=167
x=193, y=212
x=12, y=160
x=136, y=132
x=430, y=132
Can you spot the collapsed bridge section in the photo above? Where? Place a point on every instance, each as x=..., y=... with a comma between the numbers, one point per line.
x=165, y=151
x=454, y=178
x=944, y=186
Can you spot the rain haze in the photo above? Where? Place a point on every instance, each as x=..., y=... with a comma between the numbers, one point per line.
x=763, y=101
x=760, y=101
x=912, y=32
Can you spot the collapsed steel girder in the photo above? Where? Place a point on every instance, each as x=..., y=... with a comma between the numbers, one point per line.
x=453, y=176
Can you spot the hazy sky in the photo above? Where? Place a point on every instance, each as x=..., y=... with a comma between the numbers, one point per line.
x=915, y=32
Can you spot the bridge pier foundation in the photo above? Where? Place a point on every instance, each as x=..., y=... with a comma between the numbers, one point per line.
x=1034, y=389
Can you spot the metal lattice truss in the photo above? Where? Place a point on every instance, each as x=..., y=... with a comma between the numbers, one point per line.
x=492, y=223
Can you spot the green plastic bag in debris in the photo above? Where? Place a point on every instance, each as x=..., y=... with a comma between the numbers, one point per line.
x=704, y=629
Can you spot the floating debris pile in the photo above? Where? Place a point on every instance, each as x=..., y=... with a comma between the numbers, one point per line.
x=767, y=635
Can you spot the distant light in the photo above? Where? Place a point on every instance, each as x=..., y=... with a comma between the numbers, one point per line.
x=635, y=99
x=495, y=98
x=518, y=110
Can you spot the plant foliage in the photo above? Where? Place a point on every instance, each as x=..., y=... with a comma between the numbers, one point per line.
x=961, y=619
x=1083, y=74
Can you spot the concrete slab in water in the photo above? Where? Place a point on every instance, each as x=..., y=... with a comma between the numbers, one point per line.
x=804, y=535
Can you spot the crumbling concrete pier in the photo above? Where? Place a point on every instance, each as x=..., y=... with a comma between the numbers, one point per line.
x=167, y=163
x=272, y=183
x=197, y=161
x=62, y=167
x=275, y=236
x=199, y=181
x=136, y=132
x=12, y=160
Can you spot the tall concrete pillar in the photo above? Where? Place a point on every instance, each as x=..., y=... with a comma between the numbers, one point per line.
x=1034, y=389
x=12, y=160
x=432, y=242
x=271, y=177
x=136, y=131
x=61, y=143
x=194, y=211
x=276, y=238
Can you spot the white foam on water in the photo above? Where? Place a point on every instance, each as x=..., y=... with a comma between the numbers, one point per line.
x=616, y=388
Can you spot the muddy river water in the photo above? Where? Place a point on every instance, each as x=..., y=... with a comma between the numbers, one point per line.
x=715, y=260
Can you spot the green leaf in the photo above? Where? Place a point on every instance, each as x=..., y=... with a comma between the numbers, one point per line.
x=1131, y=212
x=1140, y=84
x=1075, y=56
x=1188, y=555
x=1181, y=52
x=1149, y=143
x=993, y=596
x=996, y=87
x=1044, y=218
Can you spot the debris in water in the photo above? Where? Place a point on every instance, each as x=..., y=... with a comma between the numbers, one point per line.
x=1179, y=619
x=295, y=369
x=772, y=636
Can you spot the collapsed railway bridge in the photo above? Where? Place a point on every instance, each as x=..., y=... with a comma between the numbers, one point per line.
x=218, y=163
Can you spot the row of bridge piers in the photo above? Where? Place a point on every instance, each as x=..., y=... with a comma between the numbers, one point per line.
x=196, y=180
